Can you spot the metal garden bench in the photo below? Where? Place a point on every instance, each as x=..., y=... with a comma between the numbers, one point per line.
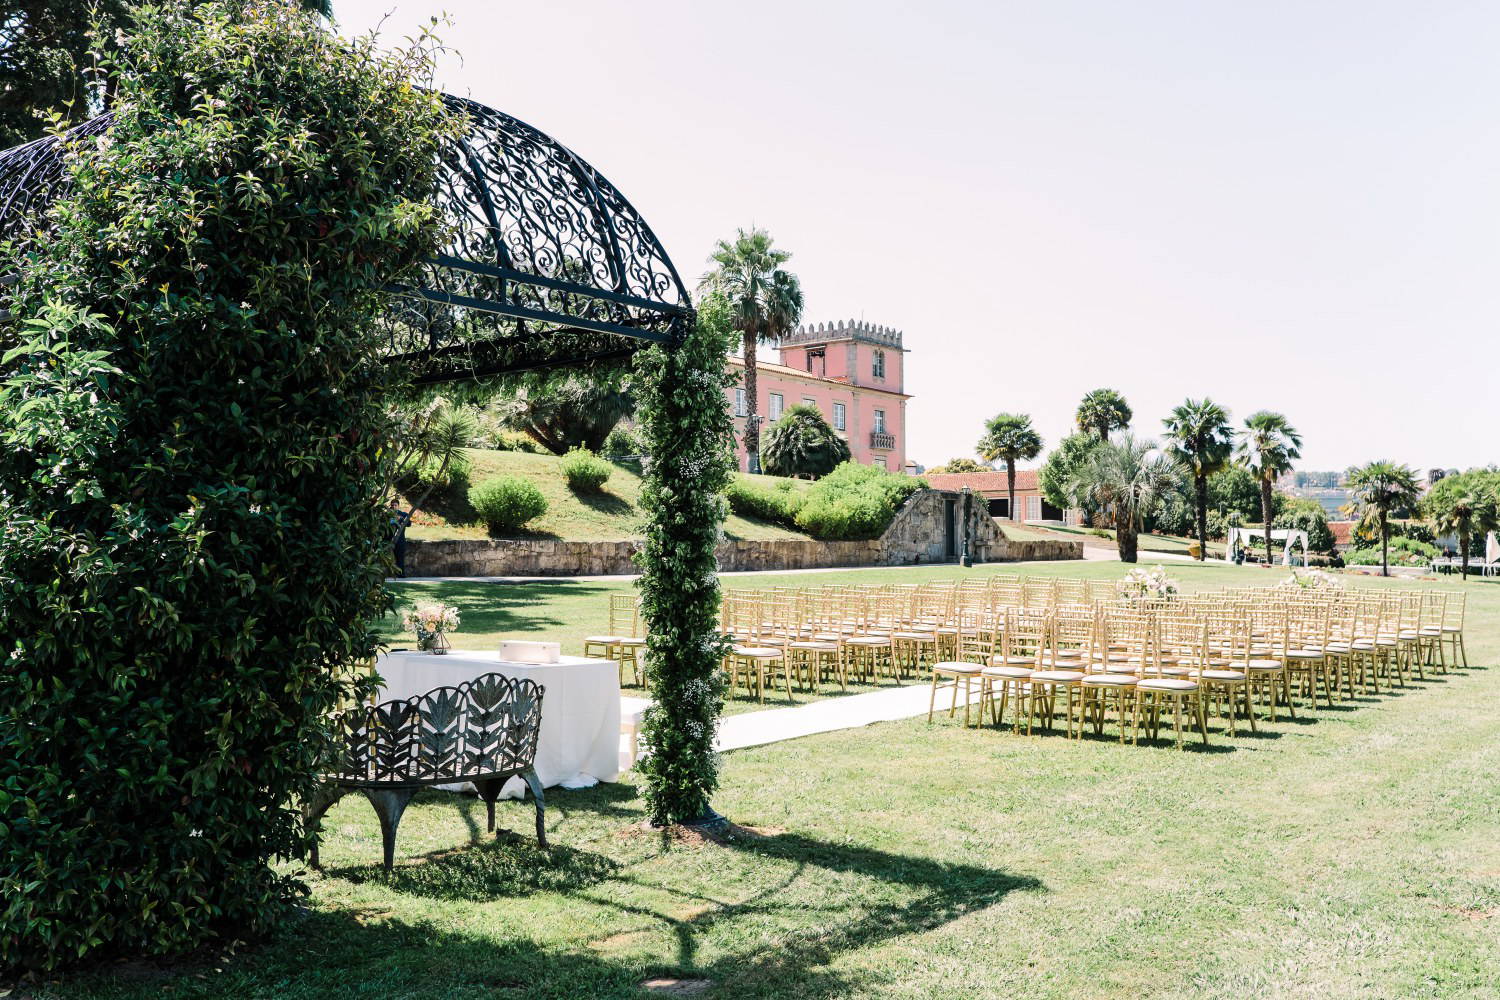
x=483, y=731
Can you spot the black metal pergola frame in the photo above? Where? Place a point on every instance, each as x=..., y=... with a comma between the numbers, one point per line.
x=545, y=263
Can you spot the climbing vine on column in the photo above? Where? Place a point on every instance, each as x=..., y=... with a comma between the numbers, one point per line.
x=689, y=436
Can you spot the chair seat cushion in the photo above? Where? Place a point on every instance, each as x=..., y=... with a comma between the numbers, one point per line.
x=1305, y=654
x=1056, y=676
x=1008, y=672
x=868, y=640
x=1166, y=684
x=612, y=640
x=1222, y=675
x=1264, y=664
x=915, y=636
x=821, y=647
x=1109, y=680
x=954, y=669
x=757, y=652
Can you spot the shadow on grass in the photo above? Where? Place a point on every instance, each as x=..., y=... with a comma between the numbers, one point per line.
x=508, y=865
x=531, y=606
x=604, y=502
x=762, y=946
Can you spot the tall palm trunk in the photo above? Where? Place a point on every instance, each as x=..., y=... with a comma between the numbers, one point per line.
x=1265, y=517
x=1010, y=485
x=1385, y=543
x=752, y=431
x=1125, y=536
x=1463, y=548
x=1200, y=483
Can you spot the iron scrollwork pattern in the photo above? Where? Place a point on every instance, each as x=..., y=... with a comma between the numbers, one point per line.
x=545, y=262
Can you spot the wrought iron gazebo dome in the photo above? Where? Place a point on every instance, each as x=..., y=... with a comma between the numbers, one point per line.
x=545, y=264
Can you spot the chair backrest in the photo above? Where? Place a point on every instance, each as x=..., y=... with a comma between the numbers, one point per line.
x=485, y=727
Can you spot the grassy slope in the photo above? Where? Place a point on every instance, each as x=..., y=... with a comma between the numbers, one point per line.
x=610, y=516
x=1351, y=854
x=1146, y=542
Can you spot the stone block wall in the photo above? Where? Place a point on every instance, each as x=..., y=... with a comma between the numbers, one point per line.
x=916, y=536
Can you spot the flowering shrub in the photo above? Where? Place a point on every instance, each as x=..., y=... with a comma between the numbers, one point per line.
x=1312, y=579
x=1147, y=583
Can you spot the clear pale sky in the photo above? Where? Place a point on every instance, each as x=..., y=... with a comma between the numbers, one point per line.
x=1284, y=205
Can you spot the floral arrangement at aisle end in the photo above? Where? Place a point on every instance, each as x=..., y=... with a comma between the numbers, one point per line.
x=1146, y=583
x=1312, y=579
x=428, y=621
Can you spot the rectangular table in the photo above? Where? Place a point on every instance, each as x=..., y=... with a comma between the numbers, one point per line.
x=579, y=743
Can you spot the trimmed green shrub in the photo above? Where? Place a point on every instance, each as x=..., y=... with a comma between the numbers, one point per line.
x=192, y=432
x=1403, y=552
x=585, y=472
x=505, y=503
x=777, y=504
x=623, y=443
x=855, y=501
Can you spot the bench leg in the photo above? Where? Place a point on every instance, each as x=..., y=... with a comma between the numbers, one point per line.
x=389, y=804
x=489, y=791
x=535, y=784
x=322, y=800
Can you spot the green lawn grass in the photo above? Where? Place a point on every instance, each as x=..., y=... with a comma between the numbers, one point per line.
x=1354, y=852
x=612, y=515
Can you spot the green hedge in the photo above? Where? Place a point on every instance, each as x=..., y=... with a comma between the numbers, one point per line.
x=506, y=503
x=777, y=503
x=192, y=433
x=851, y=502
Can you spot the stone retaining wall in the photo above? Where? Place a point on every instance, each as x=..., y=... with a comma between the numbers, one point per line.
x=917, y=535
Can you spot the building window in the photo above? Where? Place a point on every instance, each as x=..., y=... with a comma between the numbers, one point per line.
x=838, y=416
x=1033, y=508
x=879, y=421
x=879, y=462
x=809, y=401
x=878, y=365
x=739, y=402
x=777, y=402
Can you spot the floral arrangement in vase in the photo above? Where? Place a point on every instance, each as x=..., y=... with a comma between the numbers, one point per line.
x=1312, y=579
x=429, y=621
x=1146, y=583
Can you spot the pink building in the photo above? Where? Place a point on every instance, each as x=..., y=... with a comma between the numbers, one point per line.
x=852, y=372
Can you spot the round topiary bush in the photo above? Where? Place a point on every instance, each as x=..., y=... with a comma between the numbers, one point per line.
x=585, y=472
x=192, y=424
x=505, y=503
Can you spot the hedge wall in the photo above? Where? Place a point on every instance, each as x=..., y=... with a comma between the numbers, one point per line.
x=192, y=554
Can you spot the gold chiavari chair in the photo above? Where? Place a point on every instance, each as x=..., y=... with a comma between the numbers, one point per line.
x=1270, y=677
x=625, y=640
x=1018, y=648
x=1431, y=628
x=975, y=636
x=750, y=657
x=1453, y=626
x=1225, y=670
x=1307, y=655
x=817, y=649
x=868, y=646
x=1061, y=666
x=1110, y=672
x=1155, y=690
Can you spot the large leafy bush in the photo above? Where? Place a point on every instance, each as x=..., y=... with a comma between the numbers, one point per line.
x=777, y=501
x=855, y=501
x=191, y=428
x=506, y=503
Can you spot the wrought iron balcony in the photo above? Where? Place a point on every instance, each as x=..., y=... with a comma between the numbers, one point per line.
x=883, y=440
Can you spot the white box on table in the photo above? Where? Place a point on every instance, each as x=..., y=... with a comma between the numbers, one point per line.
x=528, y=651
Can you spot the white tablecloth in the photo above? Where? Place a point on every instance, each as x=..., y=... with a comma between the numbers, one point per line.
x=579, y=744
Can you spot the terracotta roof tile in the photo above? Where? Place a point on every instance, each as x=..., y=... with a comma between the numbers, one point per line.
x=982, y=482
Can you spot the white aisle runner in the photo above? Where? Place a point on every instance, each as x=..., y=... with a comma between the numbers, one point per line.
x=775, y=724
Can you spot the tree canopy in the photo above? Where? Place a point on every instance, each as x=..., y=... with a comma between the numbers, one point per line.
x=1383, y=489
x=802, y=443
x=1103, y=411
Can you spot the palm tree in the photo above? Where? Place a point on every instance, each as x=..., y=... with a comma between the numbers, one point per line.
x=1380, y=489
x=802, y=443
x=1103, y=411
x=1267, y=447
x=1009, y=436
x=766, y=302
x=1129, y=477
x=1200, y=438
x=1465, y=505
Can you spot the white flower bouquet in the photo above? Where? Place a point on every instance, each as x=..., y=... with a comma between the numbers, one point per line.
x=1146, y=583
x=428, y=621
x=1312, y=579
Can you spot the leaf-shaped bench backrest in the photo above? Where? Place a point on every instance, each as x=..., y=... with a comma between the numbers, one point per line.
x=484, y=726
